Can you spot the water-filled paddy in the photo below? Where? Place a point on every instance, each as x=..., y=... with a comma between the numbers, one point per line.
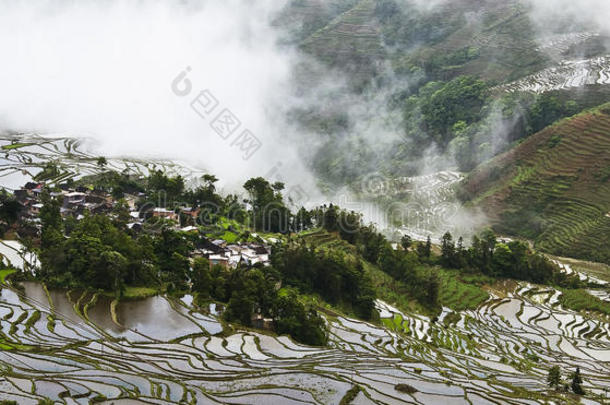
x=167, y=351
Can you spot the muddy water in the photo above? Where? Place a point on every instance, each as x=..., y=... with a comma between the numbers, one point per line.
x=99, y=314
x=62, y=307
x=151, y=317
x=155, y=318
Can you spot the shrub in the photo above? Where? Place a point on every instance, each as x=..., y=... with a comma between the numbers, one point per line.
x=406, y=388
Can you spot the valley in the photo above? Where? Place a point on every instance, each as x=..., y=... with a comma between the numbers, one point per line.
x=434, y=230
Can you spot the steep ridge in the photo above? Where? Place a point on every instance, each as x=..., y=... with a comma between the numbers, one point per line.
x=553, y=188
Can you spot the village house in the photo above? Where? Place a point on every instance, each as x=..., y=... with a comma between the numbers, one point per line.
x=219, y=260
x=260, y=322
x=191, y=212
x=74, y=197
x=77, y=203
x=35, y=209
x=165, y=213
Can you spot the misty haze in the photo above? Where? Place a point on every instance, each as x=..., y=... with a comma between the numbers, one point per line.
x=305, y=201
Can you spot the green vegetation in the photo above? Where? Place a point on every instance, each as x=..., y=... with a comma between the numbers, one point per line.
x=251, y=292
x=350, y=395
x=576, y=384
x=135, y=293
x=444, y=105
x=16, y=145
x=269, y=214
x=554, y=377
x=406, y=388
x=507, y=260
x=9, y=211
x=4, y=273
x=298, y=320
x=554, y=192
x=32, y=320
x=99, y=253
x=460, y=291
x=396, y=323
x=581, y=300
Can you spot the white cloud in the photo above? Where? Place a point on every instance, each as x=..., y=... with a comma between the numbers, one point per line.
x=103, y=69
x=589, y=14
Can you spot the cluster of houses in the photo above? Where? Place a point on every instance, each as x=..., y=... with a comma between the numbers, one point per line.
x=75, y=201
x=78, y=201
x=218, y=252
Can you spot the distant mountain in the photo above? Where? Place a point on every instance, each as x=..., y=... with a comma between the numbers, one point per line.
x=491, y=39
x=553, y=188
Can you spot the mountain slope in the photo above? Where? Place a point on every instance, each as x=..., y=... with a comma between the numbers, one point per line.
x=553, y=188
x=351, y=42
x=491, y=39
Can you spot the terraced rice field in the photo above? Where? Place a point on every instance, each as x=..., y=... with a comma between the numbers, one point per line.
x=568, y=74
x=558, y=44
x=13, y=254
x=24, y=156
x=427, y=205
x=65, y=345
x=351, y=40
x=554, y=187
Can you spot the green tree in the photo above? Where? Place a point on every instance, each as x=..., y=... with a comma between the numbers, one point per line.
x=577, y=383
x=114, y=265
x=121, y=212
x=458, y=100
x=502, y=262
x=202, y=277
x=554, y=377
x=302, y=220
x=293, y=318
x=429, y=291
x=52, y=258
x=447, y=250
x=9, y=208
x=164, y=191
x=219, y=283
x=250, y=293
x=331, y=218
x=406, y=242
x=269, y=214
x=424, y=250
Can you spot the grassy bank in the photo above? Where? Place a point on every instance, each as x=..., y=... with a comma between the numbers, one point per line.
x=581, y=300
x=462, y=291
x=5, y=273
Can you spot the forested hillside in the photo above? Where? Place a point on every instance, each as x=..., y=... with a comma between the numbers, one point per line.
x=455, y=80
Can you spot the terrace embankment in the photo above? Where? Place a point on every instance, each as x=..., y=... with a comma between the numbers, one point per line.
x=497, y=353
x=553, y=188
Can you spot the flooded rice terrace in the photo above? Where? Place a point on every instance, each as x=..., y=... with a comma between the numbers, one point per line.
x=67, y=346
x=162, y=350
